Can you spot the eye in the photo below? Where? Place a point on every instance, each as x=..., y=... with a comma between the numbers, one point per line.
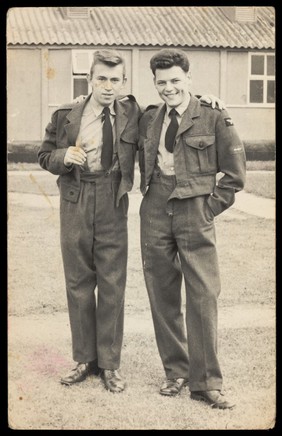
x=161, y=83
x=175, y=80
x=115, y=80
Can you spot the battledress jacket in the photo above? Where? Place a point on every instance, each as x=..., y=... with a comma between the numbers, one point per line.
x=206, y=144
x=62, y=132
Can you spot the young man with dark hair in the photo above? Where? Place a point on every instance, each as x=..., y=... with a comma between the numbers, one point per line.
x=183, y=145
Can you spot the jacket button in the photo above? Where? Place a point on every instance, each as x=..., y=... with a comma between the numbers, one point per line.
x=201, y=144
x=71, y=193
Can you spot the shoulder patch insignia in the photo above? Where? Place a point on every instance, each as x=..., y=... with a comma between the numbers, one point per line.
x=228, y=122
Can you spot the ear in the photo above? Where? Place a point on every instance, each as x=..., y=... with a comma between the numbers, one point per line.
x=124, y=81
x=88, y=78
x=189, y=77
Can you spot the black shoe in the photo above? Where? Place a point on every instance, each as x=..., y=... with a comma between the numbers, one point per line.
x=172, y=387
x=214, y=398
x=80, y=372
x=113, y=380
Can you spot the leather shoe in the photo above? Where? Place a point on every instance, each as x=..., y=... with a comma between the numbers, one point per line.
x=214, y=398
x=172, y=387
x=80, y=372
x=113, y=381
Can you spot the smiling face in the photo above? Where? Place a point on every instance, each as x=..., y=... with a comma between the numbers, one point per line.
x=106, y=82
x=173, y=85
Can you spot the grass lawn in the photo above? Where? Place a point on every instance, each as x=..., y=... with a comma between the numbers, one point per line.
x=259, y=165
x=261, y=183
x=38, y=401
x=39, y=333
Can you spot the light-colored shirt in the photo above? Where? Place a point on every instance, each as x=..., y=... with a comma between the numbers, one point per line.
x=165, y=158
x=90, y=136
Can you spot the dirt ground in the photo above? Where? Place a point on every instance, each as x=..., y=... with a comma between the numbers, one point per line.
x=39, y=335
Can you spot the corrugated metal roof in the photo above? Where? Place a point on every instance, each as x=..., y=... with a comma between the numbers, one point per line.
x=142, y=26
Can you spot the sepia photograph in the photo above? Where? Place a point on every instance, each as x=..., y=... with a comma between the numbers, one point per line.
x=141, y=168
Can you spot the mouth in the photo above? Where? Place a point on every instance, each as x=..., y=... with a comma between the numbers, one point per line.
x=171, y=95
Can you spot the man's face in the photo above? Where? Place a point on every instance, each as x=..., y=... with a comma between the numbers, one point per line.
x=106, y=83
x=173, y=85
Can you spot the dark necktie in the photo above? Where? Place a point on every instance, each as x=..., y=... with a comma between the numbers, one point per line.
x=171, y=131
x=107, y=145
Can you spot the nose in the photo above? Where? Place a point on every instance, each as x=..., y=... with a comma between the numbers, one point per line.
x=108, y=85
x=168, y=86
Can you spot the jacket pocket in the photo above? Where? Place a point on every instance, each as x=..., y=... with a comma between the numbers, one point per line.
x=207, y=210
x=200, y=153
x=69, y=193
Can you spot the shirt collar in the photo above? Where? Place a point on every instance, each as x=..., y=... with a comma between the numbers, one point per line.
x=181, y=108
x=98, y=108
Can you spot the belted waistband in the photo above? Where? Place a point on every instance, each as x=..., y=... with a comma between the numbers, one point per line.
x=158, y=175
x=88, y=176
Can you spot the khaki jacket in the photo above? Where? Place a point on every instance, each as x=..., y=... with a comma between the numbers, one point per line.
x=206, y=144
x=62, y=132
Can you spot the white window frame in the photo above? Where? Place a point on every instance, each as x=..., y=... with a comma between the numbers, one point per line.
x=264, y=77
x=79, y=72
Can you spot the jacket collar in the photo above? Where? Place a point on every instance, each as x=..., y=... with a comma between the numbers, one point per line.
x=75, y=115
x=192, y=111
x=121, y=119
x=74, y=118
x=155, y=127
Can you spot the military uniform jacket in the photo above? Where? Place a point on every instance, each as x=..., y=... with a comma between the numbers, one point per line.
x=62, y=132
x=206, y=144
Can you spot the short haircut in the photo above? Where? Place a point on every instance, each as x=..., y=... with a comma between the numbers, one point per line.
x=108, y=57
x=168, y=58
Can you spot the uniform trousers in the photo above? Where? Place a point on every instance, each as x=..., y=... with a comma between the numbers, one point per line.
x=178, y=239
x=94, y=250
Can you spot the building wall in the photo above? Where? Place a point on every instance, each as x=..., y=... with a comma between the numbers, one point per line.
x=40, y=80
x=58, y=76
x=237, y=78
x=24, y=95
x=254, y=123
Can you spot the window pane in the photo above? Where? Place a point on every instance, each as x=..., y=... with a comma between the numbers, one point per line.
x=270, y=66
x=256, y=91
x=80, y=61
x=257, y=64
x=80, y=87
x=270, y=91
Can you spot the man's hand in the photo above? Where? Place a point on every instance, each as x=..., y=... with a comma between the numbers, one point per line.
x=213, y=100
x=79, y=98
x=74, y=155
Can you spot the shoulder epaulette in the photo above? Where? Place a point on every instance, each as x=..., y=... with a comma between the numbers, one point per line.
x=151, y=106
x=128, y=97
x=66, y=106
